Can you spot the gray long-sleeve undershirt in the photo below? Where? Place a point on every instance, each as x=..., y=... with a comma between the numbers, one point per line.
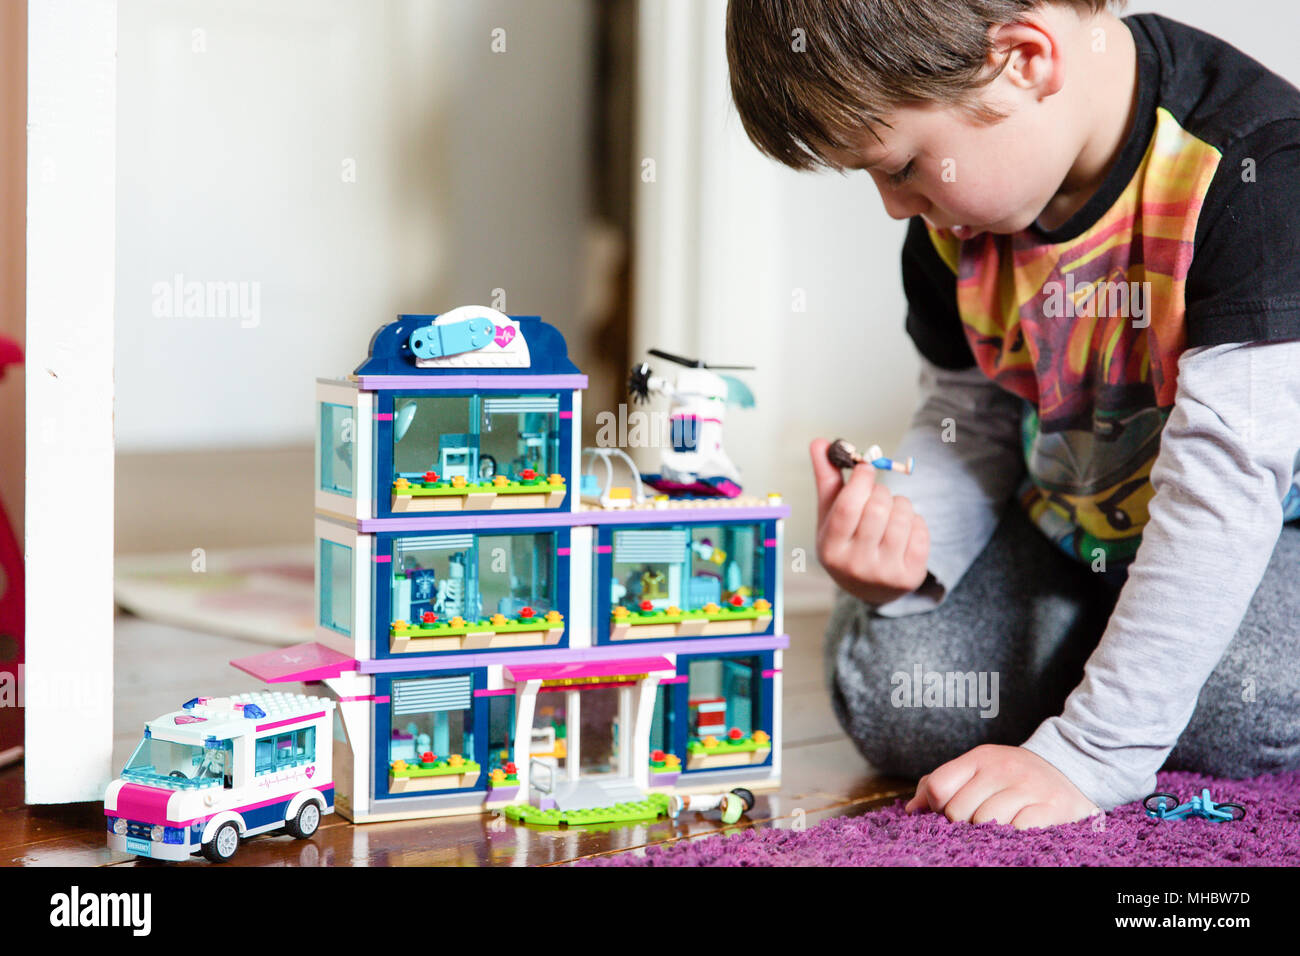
x=1228, y=456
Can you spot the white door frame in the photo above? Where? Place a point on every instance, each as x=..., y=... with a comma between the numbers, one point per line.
x=71, y=236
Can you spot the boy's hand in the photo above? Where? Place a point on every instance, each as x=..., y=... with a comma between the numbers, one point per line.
x=1003, y=784
x=871, y=542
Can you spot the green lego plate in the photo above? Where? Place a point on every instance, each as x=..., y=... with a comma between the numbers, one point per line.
x=654, y=805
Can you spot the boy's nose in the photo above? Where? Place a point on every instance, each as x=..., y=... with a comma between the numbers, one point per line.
x=900, y=204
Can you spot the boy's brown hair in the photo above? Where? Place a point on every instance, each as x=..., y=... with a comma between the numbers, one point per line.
x=806, y=73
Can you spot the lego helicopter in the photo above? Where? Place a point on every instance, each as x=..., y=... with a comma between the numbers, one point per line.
x=696, y=463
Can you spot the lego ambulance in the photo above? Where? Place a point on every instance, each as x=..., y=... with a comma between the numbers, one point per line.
x=222, y=769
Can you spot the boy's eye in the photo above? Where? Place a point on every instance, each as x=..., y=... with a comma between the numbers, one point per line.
x=904, y=174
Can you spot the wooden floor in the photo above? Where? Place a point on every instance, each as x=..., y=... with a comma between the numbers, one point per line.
x=824, y=776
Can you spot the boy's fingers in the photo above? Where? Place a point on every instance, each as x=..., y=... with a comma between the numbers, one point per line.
x=826, y=478
x=898, y=530
x=845, y=511
x=918, y=545
x=920, y=800
x=873, y=515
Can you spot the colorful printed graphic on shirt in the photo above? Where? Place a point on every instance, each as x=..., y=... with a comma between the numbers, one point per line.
x=1089, y=332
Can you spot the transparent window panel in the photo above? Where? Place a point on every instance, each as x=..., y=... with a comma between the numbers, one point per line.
x=723, y=695
x=549, y=742
x=501, y=731
x=440, y=577
x=662, y=723
x=336, y=586
x=443, y=733
x=475, y=437
x=336, y=448
x=600, y=731
x=688, y=567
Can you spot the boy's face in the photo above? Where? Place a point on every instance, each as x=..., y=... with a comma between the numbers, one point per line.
x=963, y=174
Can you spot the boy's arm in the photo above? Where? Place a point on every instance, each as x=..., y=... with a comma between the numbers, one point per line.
x=1227, y=458
x=965, y=437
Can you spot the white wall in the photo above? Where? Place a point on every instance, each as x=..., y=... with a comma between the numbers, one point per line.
x=236, y=124
x=727, y=240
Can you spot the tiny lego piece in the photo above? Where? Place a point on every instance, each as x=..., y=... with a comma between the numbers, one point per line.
x=843, y=455
x=1165, y=806
x=734, y=804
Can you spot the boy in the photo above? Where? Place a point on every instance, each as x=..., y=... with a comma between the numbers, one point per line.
x=1102, y=270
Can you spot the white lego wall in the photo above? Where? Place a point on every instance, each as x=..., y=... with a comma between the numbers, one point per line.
x=346, y=160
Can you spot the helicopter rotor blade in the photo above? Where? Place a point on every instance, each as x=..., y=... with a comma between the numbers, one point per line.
x=696, y=363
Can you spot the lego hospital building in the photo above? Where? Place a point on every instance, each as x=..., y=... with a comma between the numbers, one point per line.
x=501, y=631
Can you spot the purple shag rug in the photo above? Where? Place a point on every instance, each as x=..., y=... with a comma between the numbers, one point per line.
x=1269, y=835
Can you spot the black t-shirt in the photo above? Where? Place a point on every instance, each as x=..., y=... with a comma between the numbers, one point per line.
x=1193, y=239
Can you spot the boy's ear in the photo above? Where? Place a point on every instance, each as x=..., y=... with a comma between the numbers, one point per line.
x=1030, y=56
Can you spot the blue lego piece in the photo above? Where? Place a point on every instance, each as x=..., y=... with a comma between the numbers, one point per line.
x=1165, y=806
x=435, y=341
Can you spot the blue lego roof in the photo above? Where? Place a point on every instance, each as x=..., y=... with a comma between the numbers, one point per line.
x=391, y=352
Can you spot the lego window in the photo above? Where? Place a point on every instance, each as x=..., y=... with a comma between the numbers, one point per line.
x=446, y=449
x=431, y=737
x=281, y=751
x=663, y=721
x=723, y=697
x=335, y=586
x=336, y=427
x=501, y=732
x=454, y=581
x=158, y=762
x=705, y=579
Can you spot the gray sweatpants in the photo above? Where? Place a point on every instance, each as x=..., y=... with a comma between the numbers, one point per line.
x=1031, y=616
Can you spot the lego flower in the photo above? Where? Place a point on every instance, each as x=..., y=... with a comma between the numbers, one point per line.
x=497, y=777
x=511, y=769
x=428, y=617
x=401, y=483
x=734, y=734
x=674, y=609
x=457, y=621
x=759, y=737
x=431, y=476
x=500, y=481
x=398, y=624
x=761, y=604
x=528, y=474
x=525, y=612
x=399, y=765
x=428, y=757
x=554, y=617
x=710, y=741
x=555, y=479
x=737, y=600
x=711, y=608
x=647, y=606
x=656, y=756
x=498, y=619
x=672, y=760
x=455, y=760
x=620, y=611
x=458, y=481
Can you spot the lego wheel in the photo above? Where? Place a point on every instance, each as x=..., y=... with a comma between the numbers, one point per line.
x=1236, y=809
x=306, y=822
x=1152, y=803
x=746, y=796
x=223, y=844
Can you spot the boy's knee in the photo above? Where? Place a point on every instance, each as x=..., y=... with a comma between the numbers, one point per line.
x=905, y=718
